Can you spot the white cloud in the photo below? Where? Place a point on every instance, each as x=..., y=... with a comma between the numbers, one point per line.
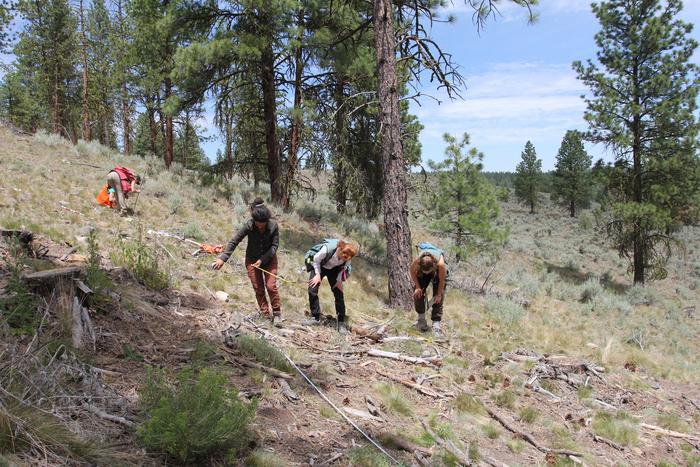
x=505, y=106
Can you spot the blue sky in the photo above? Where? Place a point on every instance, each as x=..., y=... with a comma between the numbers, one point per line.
x=520, y=85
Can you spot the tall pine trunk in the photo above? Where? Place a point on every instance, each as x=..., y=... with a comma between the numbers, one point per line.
x=125, y=101
x=168, y=127
x=638, y=241
x=270, y=114
x=572, y=208
x=340, y=186
x=87, y=131
x=152, y=126
x=396, y=225
x=292, y=158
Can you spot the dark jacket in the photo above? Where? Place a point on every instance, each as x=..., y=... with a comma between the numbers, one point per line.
x=261, y=245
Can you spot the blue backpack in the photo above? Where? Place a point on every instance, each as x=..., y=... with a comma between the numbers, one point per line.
x=331, y=245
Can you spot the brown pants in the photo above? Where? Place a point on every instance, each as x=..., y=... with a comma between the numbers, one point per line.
x=261, y=282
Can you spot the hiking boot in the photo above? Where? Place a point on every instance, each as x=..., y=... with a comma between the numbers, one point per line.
x=422, y=324
x=342, y=328
x=313, y=321
x=436, y=329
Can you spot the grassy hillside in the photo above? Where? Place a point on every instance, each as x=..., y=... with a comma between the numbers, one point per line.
x=558, y=298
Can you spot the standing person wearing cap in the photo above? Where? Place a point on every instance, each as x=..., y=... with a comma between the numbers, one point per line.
x=429, y=268
x=121, y=181
x=260, y=253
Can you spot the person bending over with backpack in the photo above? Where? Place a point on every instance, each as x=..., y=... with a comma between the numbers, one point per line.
x=261, y=253
x=429, y=267
x=121, y=181
x=329, y=259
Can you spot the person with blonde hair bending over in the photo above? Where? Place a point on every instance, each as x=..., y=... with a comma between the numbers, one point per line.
x=329, y=259
x=429, y=268
x=261, y=253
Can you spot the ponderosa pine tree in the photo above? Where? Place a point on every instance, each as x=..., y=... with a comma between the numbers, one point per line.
x=46, y=50
x=425, y=56
x=528, y=178
x=464, y=204
x=572, y=174
x=642, y=105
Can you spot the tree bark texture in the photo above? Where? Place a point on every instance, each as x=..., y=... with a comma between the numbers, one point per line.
x=270, y=115
x=396, y=225
x=292, y=159
x=168, y=127
x=87, y=131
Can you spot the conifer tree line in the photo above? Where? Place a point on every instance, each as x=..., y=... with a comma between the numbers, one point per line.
x=325, y=84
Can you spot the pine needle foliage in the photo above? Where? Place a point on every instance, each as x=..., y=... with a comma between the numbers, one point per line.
x=643, y=106
x=528, y=178
x=572, y=174
x=198, y=417
x=462, y=202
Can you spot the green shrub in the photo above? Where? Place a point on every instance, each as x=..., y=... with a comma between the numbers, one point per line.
x=263, y=352
x=93, y=149
x=590, y=289
x=50, y=139
x=506, y=311
x=142, y=262
x=197, y=418
x=18, y=307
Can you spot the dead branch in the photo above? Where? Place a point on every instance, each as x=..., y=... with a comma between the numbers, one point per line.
x=399, y=442
x=287, y=390
x=448, y=446
x=673, y=434
x=410, y=384
x=436, y=361
x=50, y=276
x=104, y=415
x=231, y=358
x=527, y=437
x=362, y=414
x=609, y=442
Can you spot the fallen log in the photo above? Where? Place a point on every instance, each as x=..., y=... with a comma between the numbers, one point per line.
x=609, y=442
x=410, y=384
x=448, y=446
x=362, y=414
x=51, y=276
x=671, y=433
x=399, y=442
x=432, y=361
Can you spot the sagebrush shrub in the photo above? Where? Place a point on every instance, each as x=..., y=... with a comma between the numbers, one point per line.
x=198, y=417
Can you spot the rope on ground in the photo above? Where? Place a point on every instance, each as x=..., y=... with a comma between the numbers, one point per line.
x=325, y=398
